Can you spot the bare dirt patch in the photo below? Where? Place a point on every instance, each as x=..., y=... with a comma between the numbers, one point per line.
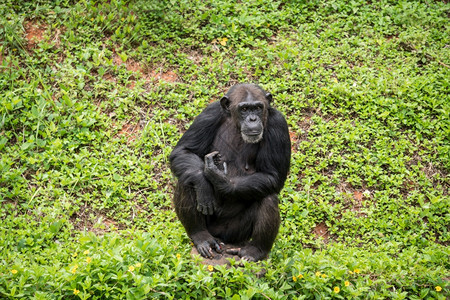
x=169, y=76
x=131, y=131
x=109, y=77
x=130, y=64
x=56, y=37
x=101, y=224
x=431, y=171
x=294, y=141
x=34, y=33
x=148, y=75
x=117, y=60
x=223, y=258
x=356, y=199
x=131, y=84
x=358, y=196
x=196, y=56
x=218, y=258
x=133, y=66
x=306, y=123
x=321, y=231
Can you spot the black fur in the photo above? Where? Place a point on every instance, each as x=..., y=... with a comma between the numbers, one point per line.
x=227, y=185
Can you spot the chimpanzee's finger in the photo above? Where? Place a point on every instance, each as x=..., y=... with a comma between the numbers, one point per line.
x=210, y=209
x=205, y=252
x=217, y=247
x=210, y=156
x=233, y=251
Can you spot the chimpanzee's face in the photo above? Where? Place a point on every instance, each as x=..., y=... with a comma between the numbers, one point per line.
x=248, y=106
x=251, y=117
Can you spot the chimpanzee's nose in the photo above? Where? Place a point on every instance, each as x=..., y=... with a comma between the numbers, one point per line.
x=253, y=118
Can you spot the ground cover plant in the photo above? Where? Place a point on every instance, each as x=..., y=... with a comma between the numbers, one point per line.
x=95, y=94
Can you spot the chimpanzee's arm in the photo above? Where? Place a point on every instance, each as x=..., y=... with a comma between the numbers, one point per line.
x=272, y=165
x=186, y=159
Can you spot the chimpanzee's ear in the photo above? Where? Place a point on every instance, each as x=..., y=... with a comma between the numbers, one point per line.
x=269, y=97
x=225, y=103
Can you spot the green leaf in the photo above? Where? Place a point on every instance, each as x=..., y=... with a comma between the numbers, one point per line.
x=27, y=145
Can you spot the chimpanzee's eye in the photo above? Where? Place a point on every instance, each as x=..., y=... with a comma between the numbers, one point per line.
x=244, y=109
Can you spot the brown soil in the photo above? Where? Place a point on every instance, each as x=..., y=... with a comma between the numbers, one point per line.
x=321, y=230
x=130, y=131
x=136, y=67
x=109, y=77
x=81, y=221
x=169, y=76
x=294, y=141
x=34, y=33
x=218, y=259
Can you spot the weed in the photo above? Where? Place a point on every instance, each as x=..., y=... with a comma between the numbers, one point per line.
x=95, y=94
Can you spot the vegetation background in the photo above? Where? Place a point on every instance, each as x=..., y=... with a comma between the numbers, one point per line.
x=95, y=94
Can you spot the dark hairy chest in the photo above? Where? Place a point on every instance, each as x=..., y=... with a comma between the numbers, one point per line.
x=239, y=156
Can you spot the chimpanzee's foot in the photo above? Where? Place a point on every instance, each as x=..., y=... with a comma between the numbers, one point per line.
x=248, y=253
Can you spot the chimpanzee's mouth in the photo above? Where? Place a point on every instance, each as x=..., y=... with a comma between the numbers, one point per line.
x=252, y=133
x=252, y=137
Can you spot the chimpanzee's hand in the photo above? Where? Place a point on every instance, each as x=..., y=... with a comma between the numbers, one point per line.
x=206, y=248
x=205, y=198
x=215, y=175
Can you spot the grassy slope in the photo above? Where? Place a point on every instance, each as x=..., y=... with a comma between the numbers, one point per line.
x=93, y=96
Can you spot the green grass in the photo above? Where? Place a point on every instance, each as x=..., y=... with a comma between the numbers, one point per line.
x=95, y=94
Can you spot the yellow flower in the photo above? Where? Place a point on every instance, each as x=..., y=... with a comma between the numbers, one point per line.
x=131, y=268
x=14, y=271
x=347, y=283
x=76, y=292
x=75, y=254
x=356, y=271
x=336, y=289
x=324, y=276
x=178, y=255
x=86, y=252
x=210, y=268
x=223, y=41
x=438, y=288
x=318, y=274
x=138, y=265
x=88, y=259
x=294, y=278
x=74, y=269
x=300, y=276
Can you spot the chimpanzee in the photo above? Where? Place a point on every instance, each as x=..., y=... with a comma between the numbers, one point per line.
x=231, y=163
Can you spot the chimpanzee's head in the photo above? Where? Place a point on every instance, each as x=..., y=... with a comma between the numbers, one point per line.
x=247, y=105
